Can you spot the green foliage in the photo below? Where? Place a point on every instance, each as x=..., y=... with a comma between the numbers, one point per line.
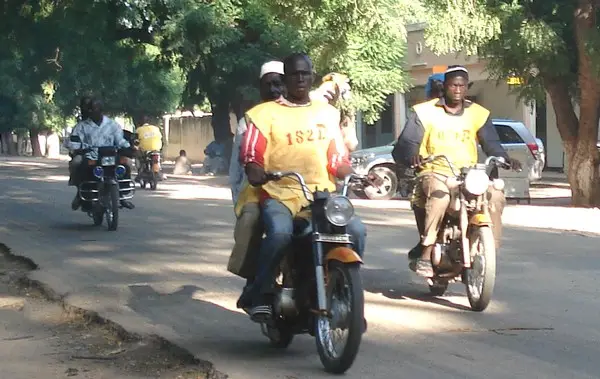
x=78, y=47
x=530, y=39
x=364, y=39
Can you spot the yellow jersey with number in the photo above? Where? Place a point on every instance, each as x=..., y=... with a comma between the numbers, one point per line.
x=452, y=135
x=299, y=138
x=150, y=137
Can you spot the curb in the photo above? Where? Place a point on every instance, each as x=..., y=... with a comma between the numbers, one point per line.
x=91, y=317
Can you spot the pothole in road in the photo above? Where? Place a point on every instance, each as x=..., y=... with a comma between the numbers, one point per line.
x=80, y=343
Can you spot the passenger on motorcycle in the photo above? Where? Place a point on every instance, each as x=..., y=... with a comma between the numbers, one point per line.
x=450, y=125
x=290, y=134
x=150, y=138
x=248, y=227
x=94, y=130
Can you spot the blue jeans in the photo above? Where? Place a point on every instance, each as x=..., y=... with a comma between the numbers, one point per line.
x=278, y=223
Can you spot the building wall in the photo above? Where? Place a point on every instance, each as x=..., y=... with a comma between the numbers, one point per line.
x=420, y=64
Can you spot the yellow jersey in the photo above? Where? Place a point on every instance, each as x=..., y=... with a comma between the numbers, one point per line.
x=289, y=137
x=452, y=135
x=150, y=137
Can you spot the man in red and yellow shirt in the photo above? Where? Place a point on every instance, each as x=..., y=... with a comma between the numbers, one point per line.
x=291, y=134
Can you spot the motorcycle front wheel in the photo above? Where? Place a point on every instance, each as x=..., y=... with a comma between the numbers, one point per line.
x=345, y=299
x=481, y=277
x=112, y=212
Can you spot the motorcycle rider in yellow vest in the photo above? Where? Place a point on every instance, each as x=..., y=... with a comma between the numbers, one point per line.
x=150, y=138
x=290, y=134
x=452, y=126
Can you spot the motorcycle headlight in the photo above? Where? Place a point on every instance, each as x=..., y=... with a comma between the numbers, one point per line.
x=108, y=161
x=339, y=210
x=120, y=171
x=98, y=172
x=477, y=182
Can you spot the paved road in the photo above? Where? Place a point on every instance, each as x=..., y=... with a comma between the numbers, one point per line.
x=163, y=272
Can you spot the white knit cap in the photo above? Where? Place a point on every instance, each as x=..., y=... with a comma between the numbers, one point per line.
x=272, y=67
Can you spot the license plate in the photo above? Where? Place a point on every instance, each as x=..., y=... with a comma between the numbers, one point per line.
x=107, y=161
x=333, y=238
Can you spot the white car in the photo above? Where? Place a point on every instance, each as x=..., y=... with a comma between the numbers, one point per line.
x=516, y=139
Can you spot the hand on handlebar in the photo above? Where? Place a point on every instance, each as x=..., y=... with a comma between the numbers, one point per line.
x=256, y=174
x=416, y=161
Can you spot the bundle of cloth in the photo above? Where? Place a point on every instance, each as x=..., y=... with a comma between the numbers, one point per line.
x=333, y=88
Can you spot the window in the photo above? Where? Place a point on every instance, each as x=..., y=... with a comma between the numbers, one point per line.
x=508, y=134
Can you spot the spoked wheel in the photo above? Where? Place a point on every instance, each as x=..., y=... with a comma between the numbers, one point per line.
x=112, y=211
x=98, y=216
x=338, y=336
x=481, y=277
x=280, y=334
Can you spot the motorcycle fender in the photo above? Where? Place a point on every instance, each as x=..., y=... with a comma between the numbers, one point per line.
x=344, y=255
x=480, y=219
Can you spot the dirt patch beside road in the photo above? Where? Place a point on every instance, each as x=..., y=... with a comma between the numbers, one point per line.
x=42, y=337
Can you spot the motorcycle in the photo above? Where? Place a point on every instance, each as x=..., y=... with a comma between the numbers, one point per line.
x=320, y=295
x=150, y=170
x=104, y=185
x=465, y=249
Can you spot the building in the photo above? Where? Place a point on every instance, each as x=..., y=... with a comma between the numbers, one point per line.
x=495, y=96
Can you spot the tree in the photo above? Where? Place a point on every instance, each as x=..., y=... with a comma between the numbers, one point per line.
x=364, y=39
x=50, y=56
x=553, y=46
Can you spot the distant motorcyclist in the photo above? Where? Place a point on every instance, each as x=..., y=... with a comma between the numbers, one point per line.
x=150, y=139
x=95, y=130
x=452, y=126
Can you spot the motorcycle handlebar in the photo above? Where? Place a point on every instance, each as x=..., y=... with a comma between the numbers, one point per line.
x=278, y=175
x=491, y=160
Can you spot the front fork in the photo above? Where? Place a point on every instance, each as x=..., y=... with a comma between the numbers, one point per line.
x=320, y=276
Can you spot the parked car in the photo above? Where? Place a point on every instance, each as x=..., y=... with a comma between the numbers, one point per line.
x=514, y=136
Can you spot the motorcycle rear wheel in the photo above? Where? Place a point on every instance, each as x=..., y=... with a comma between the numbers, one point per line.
x=346, y=302
x=280, y=335
x=98, y=217
x=481, y=277
x=438, y=288
x=154, y=181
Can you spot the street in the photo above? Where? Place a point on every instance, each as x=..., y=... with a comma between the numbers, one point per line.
x=164, y=272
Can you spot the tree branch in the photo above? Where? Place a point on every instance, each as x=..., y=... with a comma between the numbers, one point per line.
x=566, y=119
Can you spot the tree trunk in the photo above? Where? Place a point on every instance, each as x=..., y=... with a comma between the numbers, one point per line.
x=579, y=135
x=36, y=150
x=583, y=159
x=222, y=126
x=7, y=140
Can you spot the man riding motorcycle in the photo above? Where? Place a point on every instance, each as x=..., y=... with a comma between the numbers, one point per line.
x=290, y=134
x=248, y=227
x=450, y=125
x=94, y=130
x=150, y=138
